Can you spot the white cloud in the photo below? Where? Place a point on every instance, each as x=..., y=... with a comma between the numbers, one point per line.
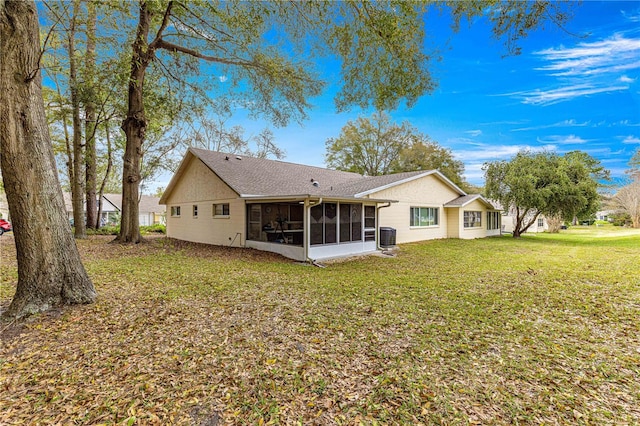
x=462, y=141
x=587, y=68
x=631, y=17
x=553, y=96
x=625, y=123
x=613, y=54
x=564, y=123
x=497, y=152
x=474, y=133
x=473, y=173
x=563, y=140
x=630, y=139
x=223, y=78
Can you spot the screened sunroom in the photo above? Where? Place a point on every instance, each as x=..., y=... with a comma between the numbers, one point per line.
x=312, y=228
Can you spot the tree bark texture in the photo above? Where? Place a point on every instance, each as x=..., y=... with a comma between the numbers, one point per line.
x=77, y=184
x=50, y=271
x=107, y=172
x=522, y=224
x=134, y=127
x=93, y=220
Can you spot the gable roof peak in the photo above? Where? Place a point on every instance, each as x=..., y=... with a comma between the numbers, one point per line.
x=261, y=177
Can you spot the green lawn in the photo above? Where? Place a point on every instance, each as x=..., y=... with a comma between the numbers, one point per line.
x=540, y=330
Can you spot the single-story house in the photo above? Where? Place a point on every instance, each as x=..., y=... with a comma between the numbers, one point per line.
x=151, y=212
x=606, y=215
x=312, y=213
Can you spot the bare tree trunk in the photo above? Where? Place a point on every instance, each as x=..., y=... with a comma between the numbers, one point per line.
x=522, y=224
x=106, y=174
x=50, y=271
x=517, y=227
x=77, y=184
x=554, y=223
x=134, y=127
x=91, y=119
x=67, y=138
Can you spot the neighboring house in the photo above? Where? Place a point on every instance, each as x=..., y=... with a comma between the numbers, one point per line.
x=311, y=213
x=509, y=220
x=151, y=212
x=605, y=215
x=4, y=207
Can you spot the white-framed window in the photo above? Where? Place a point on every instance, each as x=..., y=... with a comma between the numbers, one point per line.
x=195, y=210
x=493, y=220
x=472, y=219
x=540, y=222
x=175, y=211
x=424, y=216
x=369, y=223
x=221, y=209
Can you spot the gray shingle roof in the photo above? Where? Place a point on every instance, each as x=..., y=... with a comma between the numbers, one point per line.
x=466, y=199
x=249, y=176
x=148, y=203
x=262, y=177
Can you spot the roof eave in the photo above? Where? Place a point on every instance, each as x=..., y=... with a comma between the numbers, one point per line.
x=409, y=179
x=300, y=197
x=476, y=197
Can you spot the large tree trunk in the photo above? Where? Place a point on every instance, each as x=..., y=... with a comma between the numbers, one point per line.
x=50, y=271
x=91, y=119
x=134, y=127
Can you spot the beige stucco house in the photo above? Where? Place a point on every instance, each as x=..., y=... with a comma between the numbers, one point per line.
x=311, y=213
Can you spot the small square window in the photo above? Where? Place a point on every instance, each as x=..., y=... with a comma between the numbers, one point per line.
x=472, y=219
x=221, y=209
x=175, y=211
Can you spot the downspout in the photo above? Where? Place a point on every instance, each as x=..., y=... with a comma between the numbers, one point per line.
x=307, y=226
x=378, y=224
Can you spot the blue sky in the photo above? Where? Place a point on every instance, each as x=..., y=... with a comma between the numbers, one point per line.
x=562, y=93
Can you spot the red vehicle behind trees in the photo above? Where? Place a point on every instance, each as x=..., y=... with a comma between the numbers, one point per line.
x=4, y=226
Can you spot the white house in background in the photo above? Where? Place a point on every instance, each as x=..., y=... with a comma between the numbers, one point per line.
x=4, y=207
x=509, y=220
x=311, y=213
x=151, y=212
x=605, y=215
x=540, y=224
